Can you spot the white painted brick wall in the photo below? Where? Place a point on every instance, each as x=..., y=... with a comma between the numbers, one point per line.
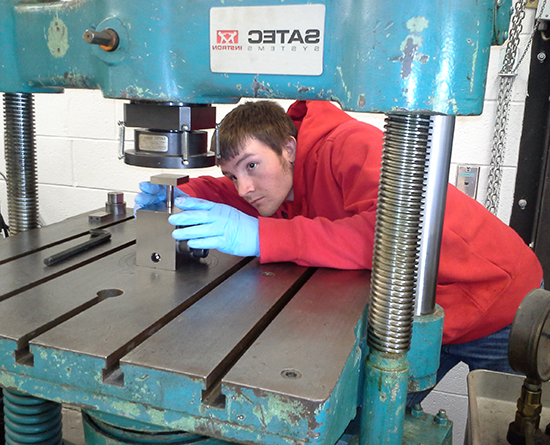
x=77, y=149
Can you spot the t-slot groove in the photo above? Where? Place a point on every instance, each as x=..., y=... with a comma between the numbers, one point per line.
x=66, y=270
x=112, y=361
x=212, y=396
x=63, y=240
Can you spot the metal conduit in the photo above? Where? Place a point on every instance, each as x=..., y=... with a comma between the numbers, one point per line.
x=397, y=234
x=20, y=155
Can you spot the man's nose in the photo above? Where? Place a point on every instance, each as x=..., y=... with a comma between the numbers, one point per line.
x=244, y=186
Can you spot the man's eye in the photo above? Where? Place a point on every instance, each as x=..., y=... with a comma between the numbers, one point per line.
x=252, y=165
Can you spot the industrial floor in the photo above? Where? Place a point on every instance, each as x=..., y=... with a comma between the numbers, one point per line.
x=73, y=433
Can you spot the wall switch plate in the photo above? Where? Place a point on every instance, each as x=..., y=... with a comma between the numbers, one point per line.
x=467, y=179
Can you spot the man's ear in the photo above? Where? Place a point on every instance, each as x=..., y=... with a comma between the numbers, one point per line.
x=289, y=149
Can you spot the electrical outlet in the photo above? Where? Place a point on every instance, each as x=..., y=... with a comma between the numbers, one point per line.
x=466, y=179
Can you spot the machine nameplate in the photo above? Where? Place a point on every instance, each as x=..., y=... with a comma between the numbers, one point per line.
x=153, y=142
x=285, y=39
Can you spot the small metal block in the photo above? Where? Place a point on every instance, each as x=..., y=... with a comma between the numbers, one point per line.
x=155, y=246
x=99, y=217
x=169, y=179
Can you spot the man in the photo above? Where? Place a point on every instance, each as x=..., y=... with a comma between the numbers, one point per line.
x=303, y=186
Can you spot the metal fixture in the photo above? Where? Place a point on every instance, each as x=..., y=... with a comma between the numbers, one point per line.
x=170, y=135
x=395, y=259
x=467, y=179
x=115, y=203
x=114, y=206
x=155, y=246
x=97, y=237
x=522, y=203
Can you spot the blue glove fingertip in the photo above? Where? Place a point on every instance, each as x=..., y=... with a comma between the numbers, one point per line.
x=175, y=219
x=149, y=188
x=179, y=202
x=177, y=235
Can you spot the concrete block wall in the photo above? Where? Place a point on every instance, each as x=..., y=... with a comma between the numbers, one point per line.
x=77, y=148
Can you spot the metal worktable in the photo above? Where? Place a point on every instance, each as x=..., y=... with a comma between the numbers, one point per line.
x=225, y=347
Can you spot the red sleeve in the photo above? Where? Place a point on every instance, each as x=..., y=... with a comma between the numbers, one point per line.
x=319, y=242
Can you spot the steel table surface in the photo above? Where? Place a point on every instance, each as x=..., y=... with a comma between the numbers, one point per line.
x=226, y=347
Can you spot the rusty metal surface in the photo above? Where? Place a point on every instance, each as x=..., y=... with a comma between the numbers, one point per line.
x=208, y=337
x=143, y=301
x=33, y=240
x=301, y=353
x=209, y=344
x=29, y=270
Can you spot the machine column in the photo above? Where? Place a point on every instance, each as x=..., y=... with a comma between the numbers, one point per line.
x=399, y=230
x=20, y=155
x=434, y=212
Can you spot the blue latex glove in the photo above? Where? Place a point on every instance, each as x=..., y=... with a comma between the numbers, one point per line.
x=153, y=194
x=208, y=225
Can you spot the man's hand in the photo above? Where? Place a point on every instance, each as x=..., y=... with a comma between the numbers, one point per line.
x=208, y=225
x=153, y=194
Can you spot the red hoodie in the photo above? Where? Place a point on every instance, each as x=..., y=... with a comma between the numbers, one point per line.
x=485, y=268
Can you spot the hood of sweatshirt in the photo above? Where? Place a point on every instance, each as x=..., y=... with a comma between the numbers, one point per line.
x=315, y=120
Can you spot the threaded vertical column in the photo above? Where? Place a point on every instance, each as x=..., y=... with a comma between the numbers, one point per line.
x=29, y=420
x=20, y=155
x=397, y=235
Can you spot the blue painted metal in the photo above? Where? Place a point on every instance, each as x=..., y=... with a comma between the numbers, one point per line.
x=122, y=431
x=386, y=377
x=417, y=56
x=29, y=420
x=420, y=427
x=153, y=398
x=425, y=350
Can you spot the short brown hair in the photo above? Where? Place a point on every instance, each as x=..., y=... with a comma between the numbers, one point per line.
x=263, y=120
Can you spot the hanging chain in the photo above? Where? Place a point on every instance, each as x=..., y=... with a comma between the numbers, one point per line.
x=507, y=76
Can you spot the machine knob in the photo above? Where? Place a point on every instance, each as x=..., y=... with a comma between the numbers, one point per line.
x=106, y=39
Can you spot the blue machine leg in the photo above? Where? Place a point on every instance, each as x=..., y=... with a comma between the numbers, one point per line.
x=29, y=420
x=386, y=381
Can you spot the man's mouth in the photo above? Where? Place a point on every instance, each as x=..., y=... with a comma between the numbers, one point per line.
x=255, y=201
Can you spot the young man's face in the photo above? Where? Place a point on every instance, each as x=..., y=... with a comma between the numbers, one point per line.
x=261, y=176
